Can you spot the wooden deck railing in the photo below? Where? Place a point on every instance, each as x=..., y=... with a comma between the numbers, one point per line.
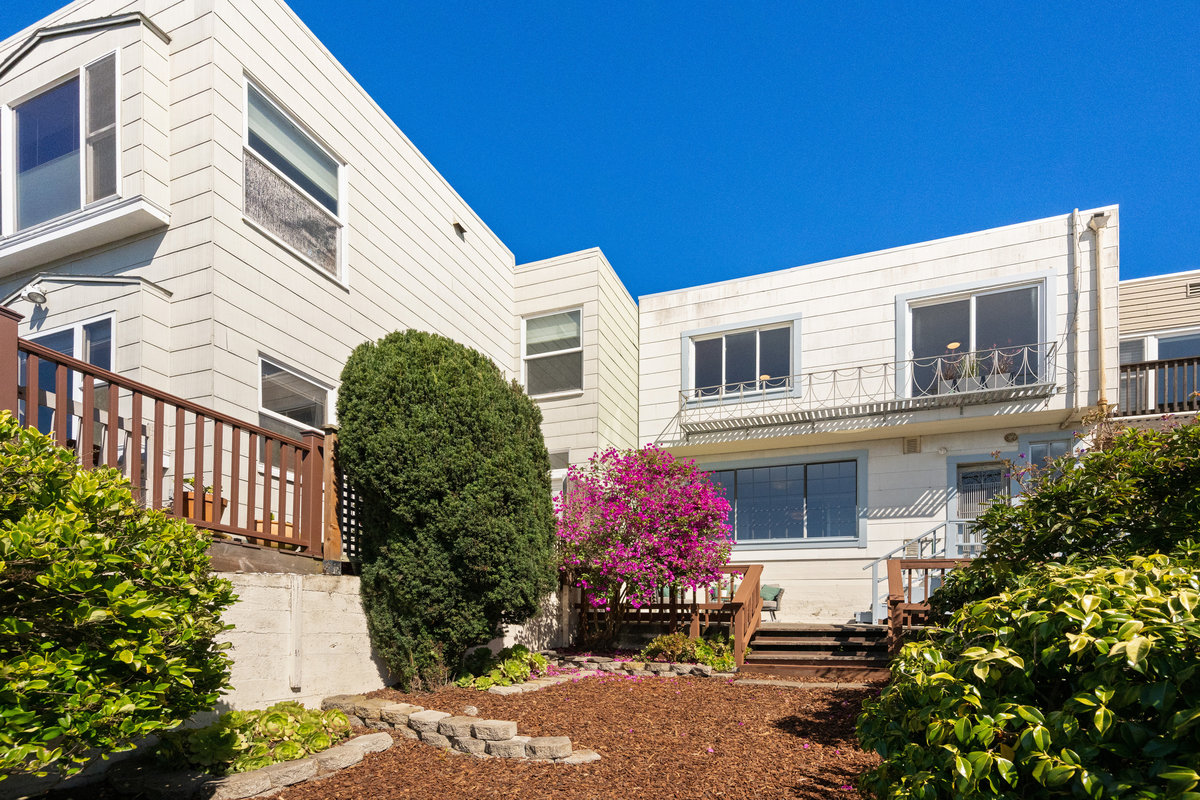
x=735, y=601
x=1167, y=386
x=233, y=478
x=910, y=583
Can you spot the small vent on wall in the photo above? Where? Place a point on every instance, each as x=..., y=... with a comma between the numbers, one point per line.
x=1193, y=289
x=912, y=444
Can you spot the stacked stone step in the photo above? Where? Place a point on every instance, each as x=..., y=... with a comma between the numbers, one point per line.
x=592, y=665
x=481, y=738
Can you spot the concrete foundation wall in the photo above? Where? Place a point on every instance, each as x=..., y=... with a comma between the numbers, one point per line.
x=298, y=637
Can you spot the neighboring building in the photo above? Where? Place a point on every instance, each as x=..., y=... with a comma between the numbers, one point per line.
x=1160, y=344
x=210, y=204
x=852, y=406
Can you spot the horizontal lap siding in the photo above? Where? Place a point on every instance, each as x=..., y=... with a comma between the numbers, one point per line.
x=848, y=306
x=1156, y=304
x=405, y=266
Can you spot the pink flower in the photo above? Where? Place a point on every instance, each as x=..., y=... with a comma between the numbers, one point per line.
x=710, y=750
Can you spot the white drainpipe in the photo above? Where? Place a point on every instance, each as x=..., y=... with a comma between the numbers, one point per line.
x=1097, y=224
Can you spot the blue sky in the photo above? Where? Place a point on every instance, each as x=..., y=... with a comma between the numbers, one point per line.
x=696, y=142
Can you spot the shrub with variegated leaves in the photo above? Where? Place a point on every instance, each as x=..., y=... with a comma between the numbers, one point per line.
x=1080, y=682
x=634, y=523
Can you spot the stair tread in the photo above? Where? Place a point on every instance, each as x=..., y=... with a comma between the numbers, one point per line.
x=819, y=641
x=758, y=657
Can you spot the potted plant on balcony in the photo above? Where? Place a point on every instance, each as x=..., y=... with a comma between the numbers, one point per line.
x=1000, y=363
x=957, y=373
x=274, y=528
x=206, y=514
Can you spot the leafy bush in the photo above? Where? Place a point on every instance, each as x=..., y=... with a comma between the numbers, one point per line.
x=510, y=666
x=454, y=478
x=634, y=523
x=716, y=650
x=108, y=612
x=240, y=741
x=1136, y=495
x=1077, y=684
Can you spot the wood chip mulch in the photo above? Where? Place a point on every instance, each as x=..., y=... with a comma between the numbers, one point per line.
x=659, y=738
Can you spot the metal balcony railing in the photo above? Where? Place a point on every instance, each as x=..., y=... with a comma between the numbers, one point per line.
x=949, y=380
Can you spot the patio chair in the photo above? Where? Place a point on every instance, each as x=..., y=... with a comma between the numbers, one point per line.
x=772, y=597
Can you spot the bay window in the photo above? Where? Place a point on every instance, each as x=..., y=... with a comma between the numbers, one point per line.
x=292, y=184
x=65, y=146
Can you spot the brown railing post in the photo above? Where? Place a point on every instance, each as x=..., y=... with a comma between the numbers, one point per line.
x=10, y=362
x=895, y=577
x=313, y=485
x=332, y=496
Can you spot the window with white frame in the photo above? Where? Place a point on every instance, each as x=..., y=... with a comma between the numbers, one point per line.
x=1155, y=388
x=987, y=339
x=292, y=184
x=738, y=362
x=290, y=402
x=801, y=502
x=64, y=147
x=553, y=353
x=90, y=341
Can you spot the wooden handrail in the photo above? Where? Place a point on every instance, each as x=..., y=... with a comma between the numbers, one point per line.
x=747, y=616
x=905, y=610
x=98, y=408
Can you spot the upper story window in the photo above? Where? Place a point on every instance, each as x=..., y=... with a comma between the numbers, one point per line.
x=553, y=353
x=65, y=146
x=990, y=339
x=793, y=502
x=292, y=184
x=742, y=361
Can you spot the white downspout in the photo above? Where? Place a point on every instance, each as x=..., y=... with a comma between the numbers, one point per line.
x=1097, y=224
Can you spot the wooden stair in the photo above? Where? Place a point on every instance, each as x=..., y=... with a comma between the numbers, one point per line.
x=834, y=652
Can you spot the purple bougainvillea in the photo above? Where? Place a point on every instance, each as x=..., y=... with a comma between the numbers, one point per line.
x=633, y=523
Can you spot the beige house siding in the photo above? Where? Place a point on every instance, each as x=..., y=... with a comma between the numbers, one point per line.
x=1160, y=303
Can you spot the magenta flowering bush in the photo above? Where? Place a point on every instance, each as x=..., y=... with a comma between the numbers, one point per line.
x=632, y=523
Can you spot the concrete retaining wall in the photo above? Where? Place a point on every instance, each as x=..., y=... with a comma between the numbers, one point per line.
x=298, y=637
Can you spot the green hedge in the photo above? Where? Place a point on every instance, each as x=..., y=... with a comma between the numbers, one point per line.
x=454, y=478
x=108, y=612
x=1078, y=683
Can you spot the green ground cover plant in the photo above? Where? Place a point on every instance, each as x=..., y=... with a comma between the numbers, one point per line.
x=241, y=741
x=448, y=460
x=109, y=614
x=510, y=666
x=715, y=650
x=1076, y=683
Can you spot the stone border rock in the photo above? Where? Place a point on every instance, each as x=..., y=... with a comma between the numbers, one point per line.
x=141, y=778
x=482, y=738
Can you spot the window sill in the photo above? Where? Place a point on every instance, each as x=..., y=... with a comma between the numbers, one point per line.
x=831, y=543
x=104, y=223
x=308, y=262
x=556, y=395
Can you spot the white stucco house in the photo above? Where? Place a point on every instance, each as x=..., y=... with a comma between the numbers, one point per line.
x=852, y=406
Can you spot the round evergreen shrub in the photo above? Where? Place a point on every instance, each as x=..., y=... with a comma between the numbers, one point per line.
x=108, y=612
x=1080, y=683
x=1135, y=495
x=458, y=531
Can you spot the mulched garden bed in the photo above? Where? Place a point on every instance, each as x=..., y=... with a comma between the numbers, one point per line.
x=659, y=737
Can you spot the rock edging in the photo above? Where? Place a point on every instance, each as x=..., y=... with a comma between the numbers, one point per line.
x=482, y=738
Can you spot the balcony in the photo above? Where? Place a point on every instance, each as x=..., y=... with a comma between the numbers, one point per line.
x=1167, y=386
x=952, y=380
